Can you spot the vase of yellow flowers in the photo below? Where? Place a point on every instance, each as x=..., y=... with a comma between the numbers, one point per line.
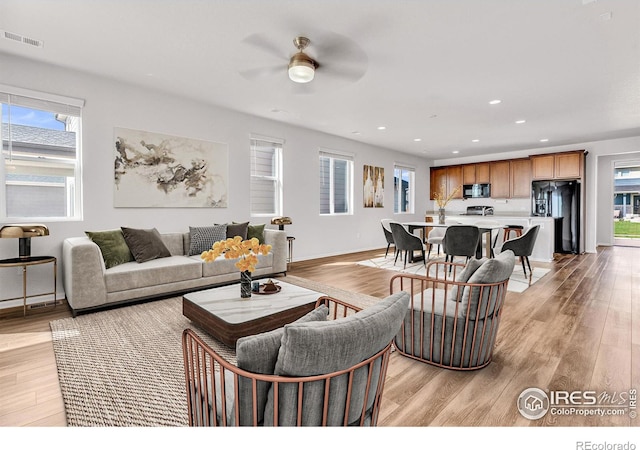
x=442, y=200
x=246, y=251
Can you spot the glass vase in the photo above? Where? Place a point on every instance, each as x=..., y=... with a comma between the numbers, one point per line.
x=245, y=284
x=441, y=216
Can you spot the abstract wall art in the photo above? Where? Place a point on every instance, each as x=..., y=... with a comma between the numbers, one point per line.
x=373, y=186
x=158, y=170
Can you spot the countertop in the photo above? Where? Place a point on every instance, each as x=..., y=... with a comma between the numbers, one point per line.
x=496, y=215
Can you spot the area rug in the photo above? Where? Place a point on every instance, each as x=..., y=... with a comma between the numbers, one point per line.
x=517, y=280
x=124, y=367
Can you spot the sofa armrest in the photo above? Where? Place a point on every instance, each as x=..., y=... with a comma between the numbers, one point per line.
x=83, y=273
x=279, y=247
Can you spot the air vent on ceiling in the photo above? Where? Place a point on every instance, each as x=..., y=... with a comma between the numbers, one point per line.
x=22, y=39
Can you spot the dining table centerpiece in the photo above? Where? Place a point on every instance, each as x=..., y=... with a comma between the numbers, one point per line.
x=442, y=200
x=246, y=251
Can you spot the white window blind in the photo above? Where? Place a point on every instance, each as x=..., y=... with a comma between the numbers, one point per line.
x=40, y=167
x=336, y=183
x=266, y=176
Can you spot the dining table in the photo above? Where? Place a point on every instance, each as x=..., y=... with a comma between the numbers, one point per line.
x=484, y=229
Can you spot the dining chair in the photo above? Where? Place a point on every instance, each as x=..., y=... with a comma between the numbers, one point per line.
x=492, y=234
x=388, y=235
x=522, y=246
x=405, y=242
x=460, y=240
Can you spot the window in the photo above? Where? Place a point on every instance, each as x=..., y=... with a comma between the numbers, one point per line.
x=403, y=191
x=336, y=183
x=266, y=177
x=40, y=167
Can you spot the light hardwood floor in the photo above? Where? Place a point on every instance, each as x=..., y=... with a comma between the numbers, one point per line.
x=572, y=330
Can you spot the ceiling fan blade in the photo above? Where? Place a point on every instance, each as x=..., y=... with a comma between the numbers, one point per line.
x=261, y=42
x=261, y=72
x=342, y=72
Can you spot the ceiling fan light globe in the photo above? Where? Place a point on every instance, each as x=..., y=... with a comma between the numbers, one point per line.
x=301, y=73
x=301, y=68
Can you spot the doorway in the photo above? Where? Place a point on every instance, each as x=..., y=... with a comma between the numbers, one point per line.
x=626, y=204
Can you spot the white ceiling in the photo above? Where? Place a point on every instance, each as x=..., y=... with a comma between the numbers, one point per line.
x=424, y=69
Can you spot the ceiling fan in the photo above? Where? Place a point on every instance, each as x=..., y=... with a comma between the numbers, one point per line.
x=329, y=59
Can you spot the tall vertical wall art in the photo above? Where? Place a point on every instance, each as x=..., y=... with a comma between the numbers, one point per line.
x=373, y=186
x=158, y=170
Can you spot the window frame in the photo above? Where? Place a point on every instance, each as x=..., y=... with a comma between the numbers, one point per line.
x=397, y=187
x=278, y=145
x=41, y=101
x=334, y=156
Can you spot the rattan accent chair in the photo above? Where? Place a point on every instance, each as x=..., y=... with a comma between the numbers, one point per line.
x=454, y=315
x=327, y=370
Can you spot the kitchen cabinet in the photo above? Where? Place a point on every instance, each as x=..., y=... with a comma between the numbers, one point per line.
x=500, y=179
x=520, y=173
x=475, y=173
x=557, y=166
x=454, y=180
x=438, y=181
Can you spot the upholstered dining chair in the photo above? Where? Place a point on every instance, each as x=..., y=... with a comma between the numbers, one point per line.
x=388, y=235
x=522, y=246
x=326, y=369
x=453, y=316
x=460, y=240
x=436, y=235
x=405, y=242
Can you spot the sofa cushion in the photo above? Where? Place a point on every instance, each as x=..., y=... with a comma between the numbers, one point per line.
x=256, y=231
x=258, y=354
x=315, y=348
x=237, y=229
x=112, y=245
x=145, y=244
x=133, y=275
x=202, y=238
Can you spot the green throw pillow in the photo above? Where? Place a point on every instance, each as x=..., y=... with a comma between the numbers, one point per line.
x=256, y=231
x=112, y=245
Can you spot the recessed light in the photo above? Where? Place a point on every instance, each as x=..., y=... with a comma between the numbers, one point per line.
x=456, y=151
x=495, y=102
x=382, y=128
x=417, y=140
x=355, y=132
x=544, y=140
x=520, y=121
x=475, y=140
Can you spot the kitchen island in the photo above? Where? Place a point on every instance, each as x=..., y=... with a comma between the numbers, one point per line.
x=545, y=243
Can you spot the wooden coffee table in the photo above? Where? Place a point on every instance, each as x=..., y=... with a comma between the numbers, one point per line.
x=227, y=317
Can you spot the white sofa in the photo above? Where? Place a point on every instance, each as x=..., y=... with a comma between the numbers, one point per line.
x=89, y=285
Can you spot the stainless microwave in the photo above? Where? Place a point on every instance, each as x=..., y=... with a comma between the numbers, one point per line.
x=476, y=190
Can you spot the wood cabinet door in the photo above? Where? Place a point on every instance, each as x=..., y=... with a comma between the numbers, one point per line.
x=438, y=181
x=543, y=167
x=500, y=180
x=520, y=178
x=469, y=174
x=569, y=165
x=483, y=173
x=454, y=180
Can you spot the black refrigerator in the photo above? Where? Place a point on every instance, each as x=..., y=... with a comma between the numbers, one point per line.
x=560, y=200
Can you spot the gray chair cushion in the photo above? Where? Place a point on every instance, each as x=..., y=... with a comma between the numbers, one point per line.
x=493, y=270
x=316, y=348
x=258, y=354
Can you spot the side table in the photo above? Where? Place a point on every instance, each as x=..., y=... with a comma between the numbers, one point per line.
x=24, y=263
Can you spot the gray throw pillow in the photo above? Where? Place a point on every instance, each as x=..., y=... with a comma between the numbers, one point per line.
x=114, y=248
x=258, y=354
x=202, y=238
x=237, y=229
x=145, y=244
x=463, y=277
x=493, y=270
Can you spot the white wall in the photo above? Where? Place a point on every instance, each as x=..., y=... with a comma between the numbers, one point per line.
x=598, y=180
x=110, y=104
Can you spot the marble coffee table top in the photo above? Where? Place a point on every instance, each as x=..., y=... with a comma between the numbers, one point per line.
x=225, y=302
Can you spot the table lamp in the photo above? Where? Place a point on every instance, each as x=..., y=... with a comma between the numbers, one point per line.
x=24, y=232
